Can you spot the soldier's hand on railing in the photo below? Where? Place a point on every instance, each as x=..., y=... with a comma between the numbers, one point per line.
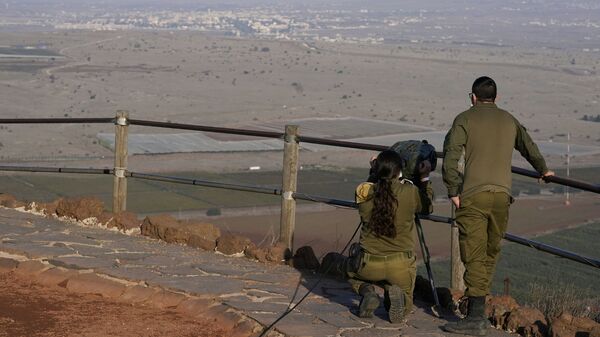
x=456, y=201
x=545, y=175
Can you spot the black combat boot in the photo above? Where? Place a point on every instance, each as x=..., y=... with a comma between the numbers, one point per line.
x=394, y=303
x=369, y=301
x=475, y=323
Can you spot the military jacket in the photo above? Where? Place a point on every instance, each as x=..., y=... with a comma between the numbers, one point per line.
x=411, y=200
x=488, y=135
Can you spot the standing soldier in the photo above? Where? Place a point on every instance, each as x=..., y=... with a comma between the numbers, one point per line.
x=487, y=135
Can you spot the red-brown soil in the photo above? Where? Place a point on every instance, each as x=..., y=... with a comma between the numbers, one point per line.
x=28, y=309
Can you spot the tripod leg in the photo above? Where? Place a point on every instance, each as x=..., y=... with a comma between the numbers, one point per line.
x=426, y=259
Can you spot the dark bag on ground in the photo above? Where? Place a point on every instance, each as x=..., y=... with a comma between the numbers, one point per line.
x=335, y=265
x=412, y=152
x=355, y=258
x=338, y=265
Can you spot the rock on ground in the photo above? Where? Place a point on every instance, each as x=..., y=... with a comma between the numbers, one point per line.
x=568, y=326
x=498, y=309
x=230, y=244
x=527, y=321
x=80, y=208
x=123, y=220
x=169, y=229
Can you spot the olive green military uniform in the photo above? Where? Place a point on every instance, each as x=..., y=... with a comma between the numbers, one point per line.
x=391, y=260
x=488, y=136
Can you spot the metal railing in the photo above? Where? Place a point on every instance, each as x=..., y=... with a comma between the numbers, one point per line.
x=288, y=193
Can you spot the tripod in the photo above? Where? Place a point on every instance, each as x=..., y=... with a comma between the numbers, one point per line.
x=435, y=309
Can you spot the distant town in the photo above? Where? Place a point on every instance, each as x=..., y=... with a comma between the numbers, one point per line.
x=573, y=27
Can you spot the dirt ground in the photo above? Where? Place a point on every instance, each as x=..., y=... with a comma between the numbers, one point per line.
x=189, y=77
x=28, y=309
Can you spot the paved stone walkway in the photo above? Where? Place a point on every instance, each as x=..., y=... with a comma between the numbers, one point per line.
x=261, y=292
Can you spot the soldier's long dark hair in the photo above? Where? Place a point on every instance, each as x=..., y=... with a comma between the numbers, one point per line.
x=387, y=168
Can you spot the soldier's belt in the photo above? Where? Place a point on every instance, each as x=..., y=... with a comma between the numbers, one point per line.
x=382, y=258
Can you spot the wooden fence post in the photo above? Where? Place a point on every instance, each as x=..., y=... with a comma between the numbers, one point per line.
x=120, y=181
x=288, y=186
x=457, y=269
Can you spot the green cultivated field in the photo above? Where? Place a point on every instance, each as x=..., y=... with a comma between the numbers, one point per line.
x=146, y=196
x=149, y=196
x=527, y=267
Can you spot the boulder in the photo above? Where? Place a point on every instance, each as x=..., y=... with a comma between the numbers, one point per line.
x=8, y=200
x=566, y=325
x=80, y=208
x=168, y=229
x=123, y=221
x=230, y=244
x=155, y=226
x=197, y=241
x=256, y=253
x=498, y=307
x=526, y=321
x=305, y=259
x=203, y=230
x=49, y=208
x=277, y=253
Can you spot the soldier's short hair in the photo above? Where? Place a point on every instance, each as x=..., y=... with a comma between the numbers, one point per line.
x=485, y=89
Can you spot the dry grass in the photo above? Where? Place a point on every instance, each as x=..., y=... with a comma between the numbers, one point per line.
x=554, y=298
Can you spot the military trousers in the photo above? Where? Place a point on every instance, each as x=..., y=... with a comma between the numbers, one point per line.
x=482, y=220
x=397, y=269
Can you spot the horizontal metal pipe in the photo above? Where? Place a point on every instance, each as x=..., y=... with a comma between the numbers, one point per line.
x=204, y=183
x=595, y=188
x=56, y=120
x=55, y=170
x=582, y=185
x=301, y=196
x=325, y=200
x=341, y=143
x=553, y=250
x=243, y=132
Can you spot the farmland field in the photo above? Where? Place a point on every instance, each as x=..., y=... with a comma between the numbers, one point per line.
x=527, y=267
x=150, y=197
